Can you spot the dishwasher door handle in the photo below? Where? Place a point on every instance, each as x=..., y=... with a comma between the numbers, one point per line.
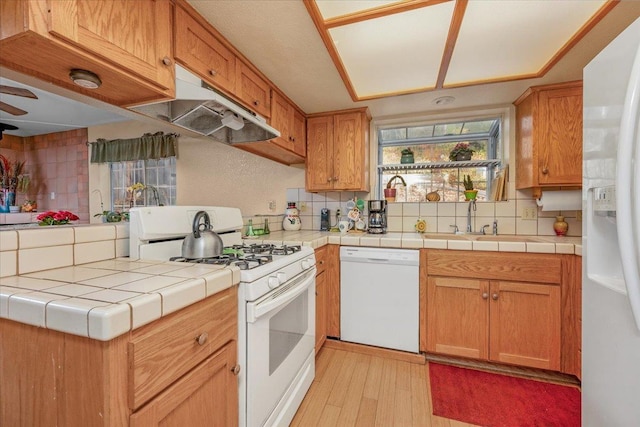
x=378, y=260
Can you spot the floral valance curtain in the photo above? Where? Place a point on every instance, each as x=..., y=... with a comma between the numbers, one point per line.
x=148, y=146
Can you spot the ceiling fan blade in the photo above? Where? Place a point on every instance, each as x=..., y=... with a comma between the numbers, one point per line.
x=17, y=91
x=11, y=109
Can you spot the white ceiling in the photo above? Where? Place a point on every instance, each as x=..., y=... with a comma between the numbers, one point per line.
x=280, y=38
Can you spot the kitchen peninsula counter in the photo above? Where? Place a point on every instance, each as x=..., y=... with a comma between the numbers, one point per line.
x=79, y=280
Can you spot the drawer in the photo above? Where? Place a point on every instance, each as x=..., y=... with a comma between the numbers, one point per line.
x=523, y=267
x=162, y=351
x=321, y=259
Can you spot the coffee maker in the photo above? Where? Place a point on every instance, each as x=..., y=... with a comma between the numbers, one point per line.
x=377, y=216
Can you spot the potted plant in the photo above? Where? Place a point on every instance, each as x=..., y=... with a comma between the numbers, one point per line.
x=407, y=155
x=10, y=179
x=390, y=192
x=111, y=216
x=469, y=192
x=461, y=152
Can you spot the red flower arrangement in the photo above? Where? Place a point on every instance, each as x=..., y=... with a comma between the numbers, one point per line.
x=56, y=218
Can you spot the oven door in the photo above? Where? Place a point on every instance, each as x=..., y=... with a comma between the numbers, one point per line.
x=280, y=338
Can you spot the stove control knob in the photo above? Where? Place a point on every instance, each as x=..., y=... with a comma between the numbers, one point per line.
x=282, y=276
x=306, y=263
x=273, y=282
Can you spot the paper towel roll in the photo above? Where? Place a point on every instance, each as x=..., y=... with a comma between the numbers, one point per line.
x=561, y=200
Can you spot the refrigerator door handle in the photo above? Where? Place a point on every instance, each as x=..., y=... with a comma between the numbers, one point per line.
x=627, y=204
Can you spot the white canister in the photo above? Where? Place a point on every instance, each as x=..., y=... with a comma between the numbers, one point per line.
x=291, y=221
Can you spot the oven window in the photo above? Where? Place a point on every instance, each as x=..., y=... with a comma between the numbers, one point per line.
x=286, y=329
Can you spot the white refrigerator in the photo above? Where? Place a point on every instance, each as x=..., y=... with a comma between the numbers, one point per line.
x=611, y=235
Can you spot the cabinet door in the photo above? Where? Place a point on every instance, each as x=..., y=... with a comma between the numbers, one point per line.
x=202, y=52
x=135, y=35
x=333, y=291
x=321, y=310
x=299, y=133
x=206, y=396
x=525, y=324
x=251, y=89
x=348, y=161
x=560, y=145
x=281, y=119
x=319, y=170
x=458, y=317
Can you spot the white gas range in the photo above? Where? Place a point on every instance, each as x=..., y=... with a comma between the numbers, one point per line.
x=276, y=305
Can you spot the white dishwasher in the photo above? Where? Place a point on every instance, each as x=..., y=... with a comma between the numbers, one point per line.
x=379, y=297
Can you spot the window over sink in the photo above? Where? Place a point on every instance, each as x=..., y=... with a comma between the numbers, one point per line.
x=420, y=153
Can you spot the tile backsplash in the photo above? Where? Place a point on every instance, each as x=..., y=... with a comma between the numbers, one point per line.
x=439, y=216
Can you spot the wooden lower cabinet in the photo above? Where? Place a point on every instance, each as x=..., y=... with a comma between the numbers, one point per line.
x=501, y=307
x=205, y=396
x=333, y=291
x=321, y=297
x=179, y=370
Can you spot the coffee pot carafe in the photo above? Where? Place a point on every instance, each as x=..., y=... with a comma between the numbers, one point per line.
x=377, y=216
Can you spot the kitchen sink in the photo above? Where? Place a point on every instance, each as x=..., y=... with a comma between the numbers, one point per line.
x=445, y=236
x=525, y=239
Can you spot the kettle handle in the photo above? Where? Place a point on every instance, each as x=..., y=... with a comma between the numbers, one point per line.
x=196, y=223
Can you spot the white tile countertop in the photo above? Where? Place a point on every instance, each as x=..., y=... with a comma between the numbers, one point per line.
x=105, y=299
x=499, y=243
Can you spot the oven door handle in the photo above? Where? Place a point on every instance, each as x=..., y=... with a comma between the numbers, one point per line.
x=281, y=296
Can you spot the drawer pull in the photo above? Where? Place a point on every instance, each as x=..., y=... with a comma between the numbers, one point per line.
x=202, y=338
x=545, y=170
x=235, y=369
x=212, y=72
x=166, y=60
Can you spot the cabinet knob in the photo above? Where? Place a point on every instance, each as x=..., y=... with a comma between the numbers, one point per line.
x=293, y=139
x=256, y=103
x=235, y=369
x=485, y=295
x=329, y=179
x=321, y=262
x=202, y=338
x=335, y=178
x=212, y=73
x=494, y=297
x=166, y=61
x=545, y=170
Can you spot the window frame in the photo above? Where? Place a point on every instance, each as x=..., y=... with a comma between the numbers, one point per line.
x=495, y=140
x=118, y=190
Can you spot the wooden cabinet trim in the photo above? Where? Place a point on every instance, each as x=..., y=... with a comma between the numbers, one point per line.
x=333, y=291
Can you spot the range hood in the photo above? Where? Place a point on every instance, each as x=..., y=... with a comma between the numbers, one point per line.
x=201, y=109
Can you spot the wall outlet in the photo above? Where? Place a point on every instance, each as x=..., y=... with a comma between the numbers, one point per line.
x=272, y=206
x=303, y=206
x=529, y=213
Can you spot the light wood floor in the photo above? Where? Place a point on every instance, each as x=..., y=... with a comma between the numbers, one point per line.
x=355, y=389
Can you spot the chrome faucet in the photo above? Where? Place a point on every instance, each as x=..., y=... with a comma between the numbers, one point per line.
x=495, y=227
x=471, y=202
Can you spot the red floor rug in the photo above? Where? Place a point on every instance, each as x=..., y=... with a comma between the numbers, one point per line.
x=495, y=400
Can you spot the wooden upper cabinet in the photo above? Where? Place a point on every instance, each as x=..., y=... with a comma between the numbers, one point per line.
x=253, y=90
x=549, y=136
x=290, y=122
x=319, y=172
x=299, y=133
x=127, y=44
x=338, y=151
x=202, y=52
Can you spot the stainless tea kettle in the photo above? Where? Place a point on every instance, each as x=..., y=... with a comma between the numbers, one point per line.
x=203, y=242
